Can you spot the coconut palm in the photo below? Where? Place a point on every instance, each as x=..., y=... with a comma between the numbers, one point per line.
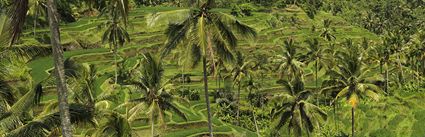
x=382, y=56
x=116, y=35
x=18, y=13
x=116, y=125
x=318, y=55
x=288, y=61
x=260, y=64
x=351, y=79
x=156, y=97
x=327, y=30
x=15, y=121
x=296, y=110
x=240, y=71
x=396, y=43
x=207, y=32
x=61, y=86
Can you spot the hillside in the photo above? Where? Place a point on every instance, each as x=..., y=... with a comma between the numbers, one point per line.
x=400, y=112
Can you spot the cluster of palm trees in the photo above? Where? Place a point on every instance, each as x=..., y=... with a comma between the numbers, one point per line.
x=209, y=37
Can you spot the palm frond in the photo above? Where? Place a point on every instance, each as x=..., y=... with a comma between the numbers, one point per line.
x=4, y=31
x=175, y=33
x=284, y=117
x=223, y=50
x=168, y=17
x=176, y=110
x=18, y=15
x=240, y=27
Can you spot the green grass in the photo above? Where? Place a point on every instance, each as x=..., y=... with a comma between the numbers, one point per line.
x=145, y=39
x=40, y=65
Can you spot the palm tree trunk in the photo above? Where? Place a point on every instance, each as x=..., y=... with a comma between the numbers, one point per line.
x=152, y=124
x=418, y=76
x=352, y=121
x=35, y=22
x=116, y=66
x=334, y=109
x=317, y=99
x=219, y=77
x=59, y=70
x=401, y=75
x=386, y=78
x=207, y=99
x=237, y=102
x=256, y=126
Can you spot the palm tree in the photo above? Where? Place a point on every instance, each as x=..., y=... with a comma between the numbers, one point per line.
x=319, y=56
x=383, y=57
x=155, y=92
x=207, y=32
x=296, y=109
x=16, y=123
x=351, y=79
x=260, y=65
x=116, y=125
x=288, y=62
x=61, y=86
x=116, y=34
x=327, y=30
x=18, y=15
x=254, y=99
x=396, y=43
x=239, y=72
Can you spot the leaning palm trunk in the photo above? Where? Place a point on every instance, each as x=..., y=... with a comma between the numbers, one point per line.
x=59, y=70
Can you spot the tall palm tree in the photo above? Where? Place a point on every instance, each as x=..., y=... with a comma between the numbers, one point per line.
x=155, y=93
x=352, y=79
x=240, y=71
x=383, y=54
x=116, y=34
x=207, y=32
x=16, y=123
x=288, y=61
x=318, y=55
x=296, y=109
x=61, y=86
x=327, y=30
x=18, y=13
x=260, y=64
x=396, y=42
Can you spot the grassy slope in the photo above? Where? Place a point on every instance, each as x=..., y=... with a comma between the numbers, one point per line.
x=267, y=40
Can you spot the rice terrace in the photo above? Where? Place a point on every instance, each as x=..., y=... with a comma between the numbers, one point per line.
x=204, y=68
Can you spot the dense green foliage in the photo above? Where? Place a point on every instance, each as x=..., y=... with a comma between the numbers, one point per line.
x=257, y=67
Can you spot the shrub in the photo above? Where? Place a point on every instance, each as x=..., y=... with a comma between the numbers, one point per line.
x=192, y=95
